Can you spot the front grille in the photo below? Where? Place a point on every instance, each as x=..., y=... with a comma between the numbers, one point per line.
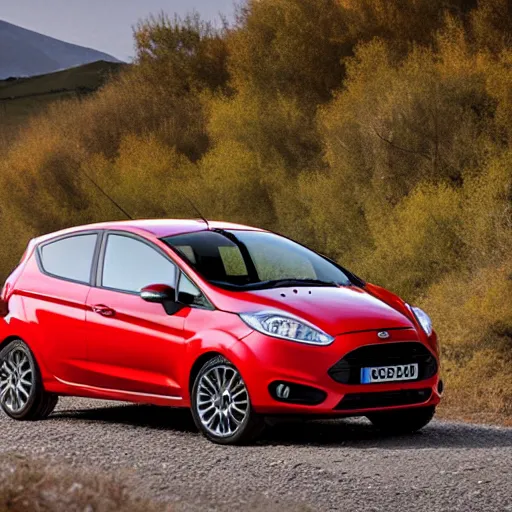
x=348, y=369
x=354, y=401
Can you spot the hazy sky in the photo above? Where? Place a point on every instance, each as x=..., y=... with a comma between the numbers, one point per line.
x=105, y=25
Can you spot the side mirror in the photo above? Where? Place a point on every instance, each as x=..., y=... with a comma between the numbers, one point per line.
x=158, y=293
x=161, y=294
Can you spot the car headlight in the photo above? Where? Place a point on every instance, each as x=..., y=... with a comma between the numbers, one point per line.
x=286, y=326
x=423, y=319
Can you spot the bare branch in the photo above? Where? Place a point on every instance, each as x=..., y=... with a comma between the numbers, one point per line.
x=400, y=148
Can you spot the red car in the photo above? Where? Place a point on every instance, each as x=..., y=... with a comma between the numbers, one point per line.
x=236, y=323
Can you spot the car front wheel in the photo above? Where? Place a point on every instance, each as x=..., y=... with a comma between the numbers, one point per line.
x=404, y=421
x=22, y=395
x=221, y=406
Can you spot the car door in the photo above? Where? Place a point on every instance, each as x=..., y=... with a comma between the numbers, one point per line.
x=54, y=287
x=133, y=346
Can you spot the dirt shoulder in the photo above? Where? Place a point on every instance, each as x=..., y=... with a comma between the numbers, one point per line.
x=30, y=484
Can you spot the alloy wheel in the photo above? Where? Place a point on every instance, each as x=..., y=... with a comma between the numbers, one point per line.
x=16, y=380
x=222, y=400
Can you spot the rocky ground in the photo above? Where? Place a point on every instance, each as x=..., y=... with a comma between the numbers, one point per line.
x=323, y=465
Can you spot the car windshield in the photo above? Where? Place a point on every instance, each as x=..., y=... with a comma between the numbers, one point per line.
x=249, y=260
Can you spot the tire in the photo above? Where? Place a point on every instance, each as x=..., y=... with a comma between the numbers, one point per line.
x=404, y=421
x=22, y=395
x=221, y=406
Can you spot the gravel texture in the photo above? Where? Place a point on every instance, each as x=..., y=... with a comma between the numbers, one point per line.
x=321, y=465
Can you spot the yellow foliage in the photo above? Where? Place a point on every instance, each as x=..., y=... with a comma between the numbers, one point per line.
x=376, y=131
x=291, y=47
x=232, y=185
x=486, y=226
x=472, y=313
x=415, y=242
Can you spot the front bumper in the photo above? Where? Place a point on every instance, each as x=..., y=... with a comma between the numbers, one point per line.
x=264, y=362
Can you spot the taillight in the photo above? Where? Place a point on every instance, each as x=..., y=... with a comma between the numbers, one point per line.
x=4, y=303
x=4, y=308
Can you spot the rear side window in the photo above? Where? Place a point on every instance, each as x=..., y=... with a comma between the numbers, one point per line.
x=70, y=258
x=131, y=264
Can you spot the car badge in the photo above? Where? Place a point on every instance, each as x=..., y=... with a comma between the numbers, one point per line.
x=383, y=335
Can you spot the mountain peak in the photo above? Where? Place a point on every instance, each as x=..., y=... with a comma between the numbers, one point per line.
x=24, y=52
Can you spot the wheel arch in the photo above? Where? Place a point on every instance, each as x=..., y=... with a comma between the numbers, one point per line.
x=38, y=357
x=198, y=364
x=10, y=339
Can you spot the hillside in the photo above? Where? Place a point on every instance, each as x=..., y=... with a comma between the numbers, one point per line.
x=28, y=53
x=85, y=78
x=23, y=97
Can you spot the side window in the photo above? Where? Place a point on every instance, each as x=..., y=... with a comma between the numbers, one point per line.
x=70, y=258
x=130, y=264
x=187, y=286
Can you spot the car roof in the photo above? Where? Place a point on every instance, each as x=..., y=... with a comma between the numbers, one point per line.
x=157, y=227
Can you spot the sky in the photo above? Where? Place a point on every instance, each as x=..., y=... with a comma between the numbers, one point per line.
x=104, y=25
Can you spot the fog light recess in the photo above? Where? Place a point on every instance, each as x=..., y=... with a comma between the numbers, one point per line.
x=296, y=393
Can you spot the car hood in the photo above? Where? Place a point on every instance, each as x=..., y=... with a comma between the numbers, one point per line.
x=335, y=310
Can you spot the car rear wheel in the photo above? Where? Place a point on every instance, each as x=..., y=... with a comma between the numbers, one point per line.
x=404, y=421
x=22, y=395
x=221, y=406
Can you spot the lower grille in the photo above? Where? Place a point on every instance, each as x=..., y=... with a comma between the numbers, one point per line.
x=348, y=369
x=354, y=401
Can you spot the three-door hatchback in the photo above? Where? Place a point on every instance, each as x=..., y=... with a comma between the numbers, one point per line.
x=236, y=323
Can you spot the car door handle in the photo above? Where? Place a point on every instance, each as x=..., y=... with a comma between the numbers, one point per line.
x=103, y=310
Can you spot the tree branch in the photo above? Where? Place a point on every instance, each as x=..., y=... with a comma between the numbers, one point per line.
x=400, y=148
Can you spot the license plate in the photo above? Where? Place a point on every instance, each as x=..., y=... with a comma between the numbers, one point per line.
x=389, y=373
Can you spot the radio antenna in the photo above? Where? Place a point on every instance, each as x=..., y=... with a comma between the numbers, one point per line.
x=127, y=215
x=204, y=219
x=115, y=203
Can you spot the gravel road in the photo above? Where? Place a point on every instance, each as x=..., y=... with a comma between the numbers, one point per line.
x=323, y=465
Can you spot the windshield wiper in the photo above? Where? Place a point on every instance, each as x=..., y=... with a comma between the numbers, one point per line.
x=275, y=283
x=284, y=283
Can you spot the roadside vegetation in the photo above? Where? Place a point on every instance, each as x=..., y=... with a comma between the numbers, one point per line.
x=376, y=131
x=30, y=484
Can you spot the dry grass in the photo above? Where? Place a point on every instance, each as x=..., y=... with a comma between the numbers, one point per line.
x=452, y=412
x=473, y=316
x=30, y=485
